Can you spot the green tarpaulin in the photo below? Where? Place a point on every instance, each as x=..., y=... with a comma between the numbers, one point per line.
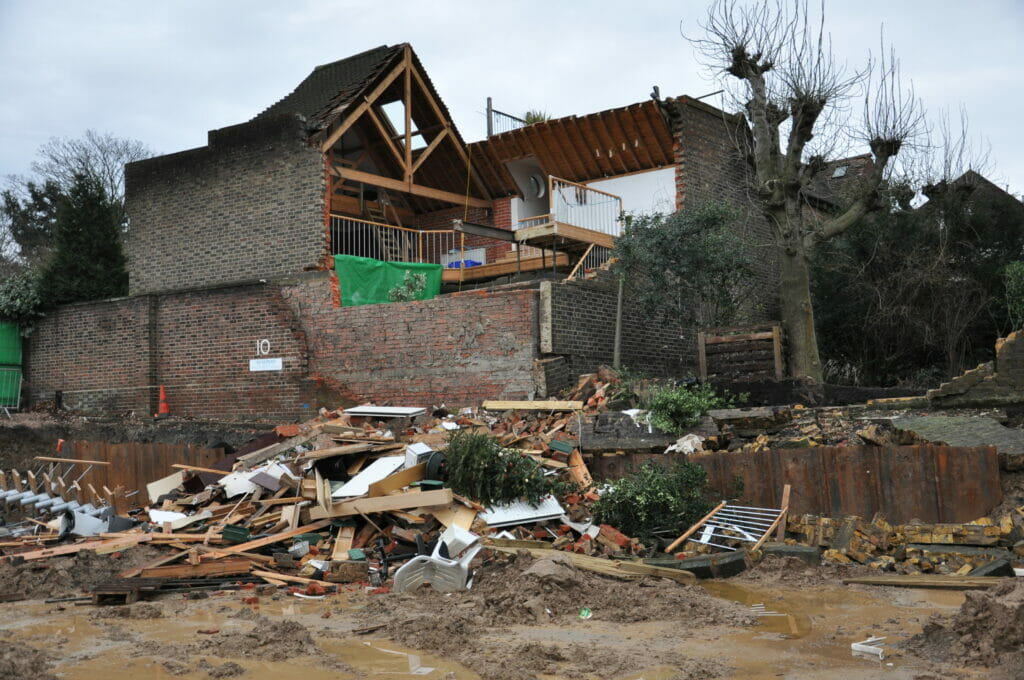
x=10, y=344
x=366, y=281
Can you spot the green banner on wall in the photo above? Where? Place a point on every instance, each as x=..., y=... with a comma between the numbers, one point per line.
x=10, y=344
x=366, y=281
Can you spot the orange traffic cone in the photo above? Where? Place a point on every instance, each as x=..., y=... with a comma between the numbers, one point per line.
x=163, y=410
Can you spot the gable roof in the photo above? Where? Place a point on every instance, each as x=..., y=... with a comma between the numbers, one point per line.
x=335, y=85
x=836, y=182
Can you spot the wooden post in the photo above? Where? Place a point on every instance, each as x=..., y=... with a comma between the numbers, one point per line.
x=777, y=349
x=689, y=532
x=780, y=534
x=702, y=359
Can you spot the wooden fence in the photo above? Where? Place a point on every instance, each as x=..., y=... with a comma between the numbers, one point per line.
x=740, y=350
x=134, y=465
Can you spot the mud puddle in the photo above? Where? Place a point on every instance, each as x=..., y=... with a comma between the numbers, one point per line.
x=807, y=633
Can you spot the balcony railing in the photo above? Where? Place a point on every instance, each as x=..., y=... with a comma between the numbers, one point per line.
x=581, y=206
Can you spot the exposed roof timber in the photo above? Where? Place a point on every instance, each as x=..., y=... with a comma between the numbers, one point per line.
x=409, y=188
x=345, y=122
x=425, y=154
x=576, y=147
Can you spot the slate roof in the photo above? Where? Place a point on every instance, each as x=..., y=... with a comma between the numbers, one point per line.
x=835, y=183
x=335, y=85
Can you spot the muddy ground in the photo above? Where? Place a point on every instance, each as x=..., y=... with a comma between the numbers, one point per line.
x=520, y=620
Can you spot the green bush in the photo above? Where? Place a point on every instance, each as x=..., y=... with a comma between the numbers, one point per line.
x=655, y=499
x=19, y=298
x=676, y=409
x=479, y=468
x=1013, y=278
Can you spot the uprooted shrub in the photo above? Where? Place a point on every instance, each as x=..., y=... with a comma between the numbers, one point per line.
x=675, y=409
x=655, y=500
x=479, y=468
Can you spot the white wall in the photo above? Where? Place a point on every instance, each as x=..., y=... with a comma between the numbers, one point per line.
x=644, y=192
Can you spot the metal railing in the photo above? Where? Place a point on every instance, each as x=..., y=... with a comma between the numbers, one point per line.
x=10, y=387
x=354, y=236
x=582, y=206
x=594, y=257
x=499, y=121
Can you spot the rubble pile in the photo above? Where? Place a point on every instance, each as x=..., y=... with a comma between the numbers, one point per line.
x=984, y=547
x=349, y=497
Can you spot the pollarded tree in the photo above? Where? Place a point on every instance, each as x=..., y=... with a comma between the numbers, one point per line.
x=795, y=97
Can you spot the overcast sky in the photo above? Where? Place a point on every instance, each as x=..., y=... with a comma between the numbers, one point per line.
x=166, y=72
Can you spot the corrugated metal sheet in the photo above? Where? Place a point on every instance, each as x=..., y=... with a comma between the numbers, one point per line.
x=931, y=483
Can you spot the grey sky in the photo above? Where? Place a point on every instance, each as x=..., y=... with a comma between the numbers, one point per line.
x=166, y=72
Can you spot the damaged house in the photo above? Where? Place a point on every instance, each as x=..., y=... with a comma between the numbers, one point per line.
x=234, y=303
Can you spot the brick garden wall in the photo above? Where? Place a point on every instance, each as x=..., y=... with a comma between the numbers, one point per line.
x=250, y=205
x=110, y=357
x=582, y=329
x=456, y=349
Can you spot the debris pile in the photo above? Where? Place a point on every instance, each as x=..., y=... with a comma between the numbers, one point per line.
x=351, y=496
x=984, y=547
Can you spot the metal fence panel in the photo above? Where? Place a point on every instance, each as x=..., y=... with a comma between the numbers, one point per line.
x=10, y=387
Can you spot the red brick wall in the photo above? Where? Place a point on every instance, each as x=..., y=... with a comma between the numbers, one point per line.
x=457, y=349
x=110, y=357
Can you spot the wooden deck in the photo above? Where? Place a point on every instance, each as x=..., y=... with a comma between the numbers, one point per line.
x=566, y=236
x=502, y=268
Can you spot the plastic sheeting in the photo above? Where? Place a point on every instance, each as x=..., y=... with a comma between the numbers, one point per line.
x=366, y=281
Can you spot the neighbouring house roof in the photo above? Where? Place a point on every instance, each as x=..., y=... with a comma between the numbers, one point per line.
x=581, y=148
x=834, y=184
x=330, y=88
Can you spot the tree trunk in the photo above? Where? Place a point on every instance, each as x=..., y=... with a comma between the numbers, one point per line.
x=798, y=314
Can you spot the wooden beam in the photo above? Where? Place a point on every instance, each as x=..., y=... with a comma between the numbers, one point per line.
x=781, y=533
x=352, y=117
x=533, y=405
x=398, y=481
x=434, y=143
x=372, y=115
x=225, y=567
x=196, y=468
x=414, y=189
x=51, y=459
x=283, y=536
x=407, y=60
x=689, y=532
x=463, y=153
x=400, y=501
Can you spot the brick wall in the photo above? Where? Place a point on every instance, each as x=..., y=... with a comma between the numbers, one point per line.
x=110, y=357
x=250, y=205
x=578, y=322
x=457, y=349
x=100, y=350
x=711, y=166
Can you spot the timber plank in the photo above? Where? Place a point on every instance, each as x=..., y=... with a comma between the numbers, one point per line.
x=401, y=501
x=948, y=581
x=532, y=405
x=225, y=567
x=282, y=536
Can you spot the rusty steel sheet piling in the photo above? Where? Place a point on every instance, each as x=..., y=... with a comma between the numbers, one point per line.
x=931, y=483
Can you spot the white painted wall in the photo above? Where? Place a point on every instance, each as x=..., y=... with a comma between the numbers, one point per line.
x=644, y=192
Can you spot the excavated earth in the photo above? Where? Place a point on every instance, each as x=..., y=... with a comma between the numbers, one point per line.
x=524, y=618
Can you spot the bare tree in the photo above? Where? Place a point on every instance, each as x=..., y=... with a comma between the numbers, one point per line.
x=797, y=100
x=101, y=156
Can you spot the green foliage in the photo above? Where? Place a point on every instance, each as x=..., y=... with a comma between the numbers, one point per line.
x=909, y=291
x=31, y=214
x=676, y=409
x=412, y=285
x=655, y=499
x=1013, y=278
x=19, y=298
x=87, y=262
x=479, y=468
x=535, y=116
x=692, y=266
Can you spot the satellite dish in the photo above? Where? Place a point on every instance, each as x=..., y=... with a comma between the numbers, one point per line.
x=539, y=185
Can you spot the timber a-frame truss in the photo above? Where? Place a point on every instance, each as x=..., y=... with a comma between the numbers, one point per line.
x=422, y=156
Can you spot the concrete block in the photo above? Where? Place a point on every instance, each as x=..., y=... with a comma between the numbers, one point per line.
x=806, y=553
